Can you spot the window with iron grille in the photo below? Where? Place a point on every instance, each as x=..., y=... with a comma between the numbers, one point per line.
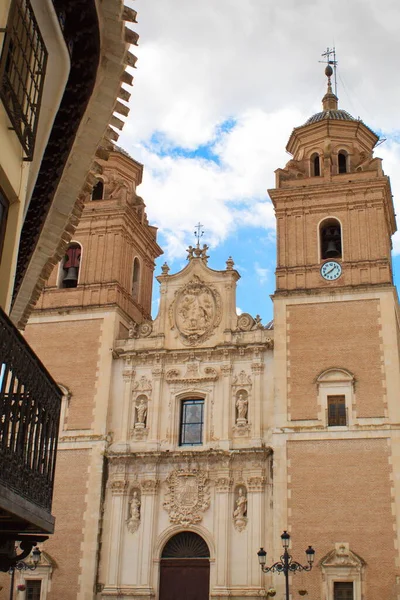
x=33, y=589
x=336, y=410
x=192, y=419
x=22, y=71
x=343, y=590
x=3, y=219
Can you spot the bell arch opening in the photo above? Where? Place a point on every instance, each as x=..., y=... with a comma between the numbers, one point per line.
x=330, y=239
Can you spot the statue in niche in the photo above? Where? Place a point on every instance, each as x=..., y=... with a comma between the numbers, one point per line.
x=134, y=512
x=141, y=413
x=240, y=511
x=241, y=408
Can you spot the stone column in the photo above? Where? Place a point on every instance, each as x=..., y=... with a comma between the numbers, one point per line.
x=257, y=399
x=126, y=420
x=119, y=490
x=256, y=525
x=226, y=417
x=149, y=489
x=155, y=412
x=223, y=518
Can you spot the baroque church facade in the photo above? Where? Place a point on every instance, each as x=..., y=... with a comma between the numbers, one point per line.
x=188, y=442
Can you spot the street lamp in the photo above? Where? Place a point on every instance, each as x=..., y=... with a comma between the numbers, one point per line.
x=286, y=564
x=23, y=566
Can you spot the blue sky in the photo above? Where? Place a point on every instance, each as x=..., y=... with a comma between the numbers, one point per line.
x=218, y=89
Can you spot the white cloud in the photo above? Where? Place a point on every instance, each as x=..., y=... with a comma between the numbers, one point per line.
x=262, y=273
x=201, y=64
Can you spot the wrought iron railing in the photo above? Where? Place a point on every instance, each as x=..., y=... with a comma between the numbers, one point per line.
x=22, y=70
x=30, y=403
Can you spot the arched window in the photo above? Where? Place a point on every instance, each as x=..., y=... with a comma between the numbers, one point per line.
x=98, y=190
x=342, y=162
x=330, y=239
x=186, y=544
x=136, y=279
x=191, y=423
x=70, y=266
x=315, y=165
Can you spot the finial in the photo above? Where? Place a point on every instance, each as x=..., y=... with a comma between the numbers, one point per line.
x=229, y=264
x=330, y=101
x=198, y=232
x=165, y=269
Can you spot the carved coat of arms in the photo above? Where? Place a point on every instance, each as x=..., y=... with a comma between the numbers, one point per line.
x=196, y=311
x=187, y=497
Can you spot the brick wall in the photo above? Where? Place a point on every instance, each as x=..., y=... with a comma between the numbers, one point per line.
x=335, y=334
x=69, y=350
x=69, y=505
x=340, y=491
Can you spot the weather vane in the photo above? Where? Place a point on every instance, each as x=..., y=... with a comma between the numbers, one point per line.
x=331, y=61
x=198, y=232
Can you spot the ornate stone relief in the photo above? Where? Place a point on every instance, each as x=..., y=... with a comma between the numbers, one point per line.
x=145, y=329
x=192, y=374
x=240, y=509
x=118, y=487
x=242, y=380
x=187, y=497
x=133, y=521
x=149, y=486
x=245, y=322
x=223, y=484
x=196, y=311
x=256, y=484
x=142, y=385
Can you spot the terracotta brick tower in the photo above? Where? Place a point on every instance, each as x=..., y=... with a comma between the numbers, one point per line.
x=100, y=292
x=336, y=358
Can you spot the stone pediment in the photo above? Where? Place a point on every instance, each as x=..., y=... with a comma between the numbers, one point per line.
x=342, y=556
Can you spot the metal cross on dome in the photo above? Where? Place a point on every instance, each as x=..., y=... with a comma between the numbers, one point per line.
x=198, y=232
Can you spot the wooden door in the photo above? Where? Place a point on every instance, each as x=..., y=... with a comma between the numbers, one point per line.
x=184, y=579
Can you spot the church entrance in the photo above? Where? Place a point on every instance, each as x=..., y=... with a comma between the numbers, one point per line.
x=185, y=568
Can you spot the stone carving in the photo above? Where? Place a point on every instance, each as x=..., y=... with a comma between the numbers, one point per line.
x=142, y=385
x=118, y=188
x=196, y=311
x=241, y=408
x=187, y=497
x=149, y=486
x=256, y=484
x=193, y=373
x=118, y=487
x=133, y=330
x=240, y=510
x=242, y=379
x=245, y=322
x=145, y=329
x=134, y=512
x=141, y=412
x=223, y=484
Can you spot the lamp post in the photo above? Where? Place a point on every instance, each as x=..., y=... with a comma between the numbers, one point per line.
x=286, y=564
x=23, y=566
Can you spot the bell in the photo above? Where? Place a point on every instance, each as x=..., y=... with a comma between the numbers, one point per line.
x=71, y=278
x=332, y=250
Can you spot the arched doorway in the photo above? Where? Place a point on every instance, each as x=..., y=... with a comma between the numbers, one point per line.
x=185, y=568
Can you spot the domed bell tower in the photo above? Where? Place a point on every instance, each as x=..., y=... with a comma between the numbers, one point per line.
x=336, y=355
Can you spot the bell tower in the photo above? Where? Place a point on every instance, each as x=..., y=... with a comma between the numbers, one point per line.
x=110, y=260
x=333, y=204
x=336, y=354
x=99, y=292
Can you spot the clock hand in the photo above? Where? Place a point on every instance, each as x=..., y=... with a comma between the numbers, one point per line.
x=330, y=270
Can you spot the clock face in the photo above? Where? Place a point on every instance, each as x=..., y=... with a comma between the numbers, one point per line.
x=331, y=270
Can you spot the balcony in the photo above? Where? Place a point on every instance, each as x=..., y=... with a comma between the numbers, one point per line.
x=30, y=402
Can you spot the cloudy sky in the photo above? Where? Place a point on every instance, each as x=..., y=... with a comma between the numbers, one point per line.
x=219, y=86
